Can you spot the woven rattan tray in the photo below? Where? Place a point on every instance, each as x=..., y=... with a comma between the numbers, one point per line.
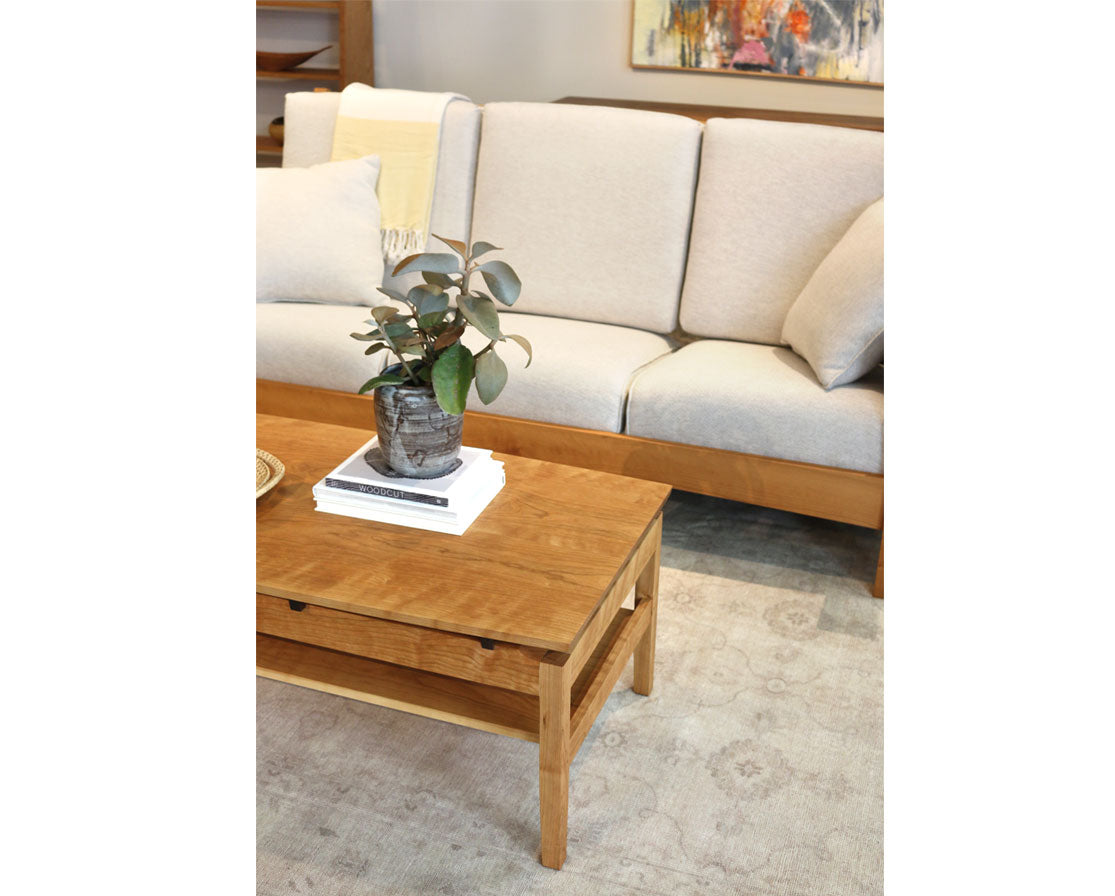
x=269, y=470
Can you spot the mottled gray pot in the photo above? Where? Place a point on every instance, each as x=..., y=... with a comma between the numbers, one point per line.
x=417, y=438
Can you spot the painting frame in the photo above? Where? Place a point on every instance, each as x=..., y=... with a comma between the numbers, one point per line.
x=781, y=6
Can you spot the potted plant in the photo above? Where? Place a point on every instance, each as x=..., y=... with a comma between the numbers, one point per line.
x=420, y=401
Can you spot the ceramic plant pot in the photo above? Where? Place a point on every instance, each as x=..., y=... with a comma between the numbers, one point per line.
x=416, y=437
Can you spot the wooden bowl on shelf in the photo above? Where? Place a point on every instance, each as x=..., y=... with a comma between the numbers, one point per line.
x=281, y=62
x=275, y=129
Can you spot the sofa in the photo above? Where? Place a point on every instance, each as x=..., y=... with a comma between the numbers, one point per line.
x=661, y=260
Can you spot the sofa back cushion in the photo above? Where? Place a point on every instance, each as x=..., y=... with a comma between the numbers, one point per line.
x=592, y=206
x=773, y=199
x=308, y=124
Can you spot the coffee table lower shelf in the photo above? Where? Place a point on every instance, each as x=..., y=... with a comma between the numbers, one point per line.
x=420, y=693
x=449, y=699
x=560, y=731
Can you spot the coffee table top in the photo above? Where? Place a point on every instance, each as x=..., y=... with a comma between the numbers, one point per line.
x=531, y=570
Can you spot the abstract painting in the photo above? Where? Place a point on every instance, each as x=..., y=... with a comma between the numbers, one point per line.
x=836, y=40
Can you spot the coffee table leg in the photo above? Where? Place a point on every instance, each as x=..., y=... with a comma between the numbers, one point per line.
x=553, y=756
x=646, y=589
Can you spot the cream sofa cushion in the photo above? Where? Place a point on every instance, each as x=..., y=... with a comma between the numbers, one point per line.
x=309, y=345
x=580, y=373
x=592, y=206
x=758, y=399
x=772, y=200
x=836, y=323
x=317, y=233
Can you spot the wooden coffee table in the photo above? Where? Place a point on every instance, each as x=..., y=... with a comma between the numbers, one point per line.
x=516, y=627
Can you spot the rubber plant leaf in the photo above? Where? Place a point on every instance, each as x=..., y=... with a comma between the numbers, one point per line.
x=482, y=248
x=522, y=340
x=480, y=311
x=456, y=245
x=502, y=281
x=438, y=262
x=436, y=279
x=453, y=372
x=491, y=376
x=384, y=379
x=448, y=338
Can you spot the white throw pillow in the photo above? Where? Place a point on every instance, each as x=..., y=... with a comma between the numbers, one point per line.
x=317, y=233
x=836, y=323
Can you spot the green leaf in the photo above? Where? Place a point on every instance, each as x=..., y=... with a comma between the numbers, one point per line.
x=436, y=279
x=384, y=312
x=491, y=376
x=480, y=311
x=372, y=349
x=453, y=372
x=421, y=291
x=398, y=331
x=438, y=262
x=433, y=302
x=431, y=320
x=366, y=337
x=384, y=379
x=525, y=345
x=481, y=248
x=456, y=245
x=502, y=281
x=448, y=338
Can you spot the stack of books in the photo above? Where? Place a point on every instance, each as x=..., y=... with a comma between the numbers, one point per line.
x=448, y=504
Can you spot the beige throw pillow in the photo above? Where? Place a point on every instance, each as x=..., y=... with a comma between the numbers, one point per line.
x=317, y=233
x=836, y=323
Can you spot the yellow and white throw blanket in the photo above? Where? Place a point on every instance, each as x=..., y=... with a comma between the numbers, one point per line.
x=403, y=128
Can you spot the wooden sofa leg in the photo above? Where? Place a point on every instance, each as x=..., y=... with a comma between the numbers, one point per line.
x=877, y=588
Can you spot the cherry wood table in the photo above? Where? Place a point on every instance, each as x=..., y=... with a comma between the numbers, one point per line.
x=516, y=627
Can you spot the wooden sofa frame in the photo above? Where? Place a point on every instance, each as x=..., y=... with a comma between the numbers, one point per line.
x=846, y=496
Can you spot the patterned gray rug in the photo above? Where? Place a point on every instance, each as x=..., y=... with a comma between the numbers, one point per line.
x=754, y=768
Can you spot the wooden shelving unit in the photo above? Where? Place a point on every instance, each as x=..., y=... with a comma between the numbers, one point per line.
x=354, y=43
x=301, y=74
x=266, y=145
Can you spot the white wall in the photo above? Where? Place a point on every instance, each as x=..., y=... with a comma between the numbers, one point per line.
x=541, y=50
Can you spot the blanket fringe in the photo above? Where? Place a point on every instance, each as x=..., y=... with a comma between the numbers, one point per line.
x=398, y=243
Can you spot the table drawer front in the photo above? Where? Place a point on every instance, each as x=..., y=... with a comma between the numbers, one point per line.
x=461, y=656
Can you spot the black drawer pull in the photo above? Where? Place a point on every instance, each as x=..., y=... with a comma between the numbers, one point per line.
x=296, y=605
x=487, y=643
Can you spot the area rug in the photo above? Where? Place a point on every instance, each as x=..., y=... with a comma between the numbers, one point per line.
x=754, y=768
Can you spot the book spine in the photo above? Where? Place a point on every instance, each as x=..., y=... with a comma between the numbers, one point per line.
x=395, y=508
x=380, y=491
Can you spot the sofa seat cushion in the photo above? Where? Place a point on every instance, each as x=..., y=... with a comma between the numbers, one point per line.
x=758, y=399
x=580, y=373
x=310, y=345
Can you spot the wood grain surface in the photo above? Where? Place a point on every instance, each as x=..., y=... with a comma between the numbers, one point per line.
x=421, y=693
x=554, y=757
x=532, y=570
x=508, y=666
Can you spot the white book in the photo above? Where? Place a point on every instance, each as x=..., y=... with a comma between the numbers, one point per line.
x=358, y=476
x=409, y=517
x=481, y=483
